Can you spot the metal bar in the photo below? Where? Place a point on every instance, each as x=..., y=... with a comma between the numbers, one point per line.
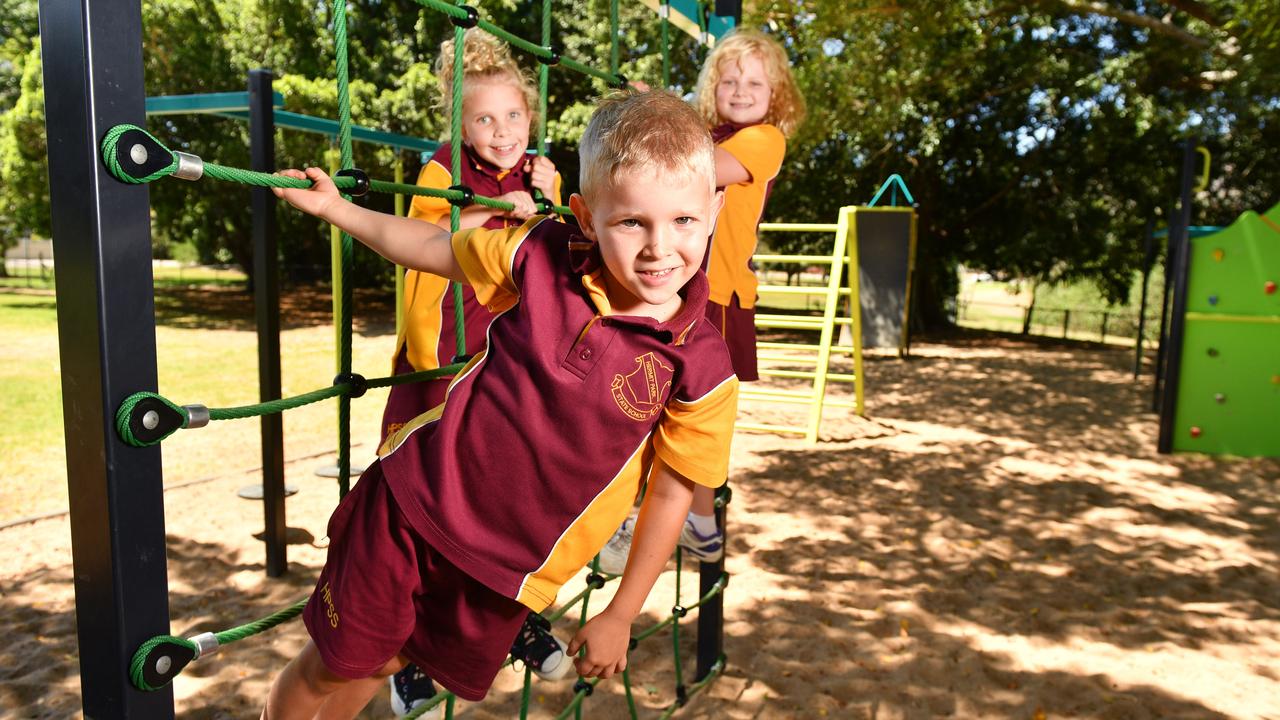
x=329, y=128
x=266, y=303
x=1148, y=258
x=807, y=259
x=1177, y=320
x=205, y=103
x=92, y=61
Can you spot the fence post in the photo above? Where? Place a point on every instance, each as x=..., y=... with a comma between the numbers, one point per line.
x=1066, y=322
x=1105, y=316
x=1026, y=320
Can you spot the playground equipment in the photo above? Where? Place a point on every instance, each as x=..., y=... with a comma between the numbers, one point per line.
x=870, y=298
x=98, y=167
x=1221, y=379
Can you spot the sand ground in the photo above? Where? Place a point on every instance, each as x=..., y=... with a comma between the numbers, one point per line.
x=999, y=539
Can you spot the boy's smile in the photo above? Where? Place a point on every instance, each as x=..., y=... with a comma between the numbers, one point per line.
x=743, y=93
x=495, y=122
x=652, y=229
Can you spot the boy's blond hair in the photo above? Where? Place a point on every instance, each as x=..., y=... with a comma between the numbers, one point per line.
x=485, y=59
x=633, y=131
x=786, y=104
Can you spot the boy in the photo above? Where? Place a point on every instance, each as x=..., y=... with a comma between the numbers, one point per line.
x=599, y=372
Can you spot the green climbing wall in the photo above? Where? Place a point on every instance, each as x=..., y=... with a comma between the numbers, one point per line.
x=1229, y=385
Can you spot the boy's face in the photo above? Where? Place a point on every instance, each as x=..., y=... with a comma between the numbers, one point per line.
x=743, y=93
x=495, y=122
x=652, y=229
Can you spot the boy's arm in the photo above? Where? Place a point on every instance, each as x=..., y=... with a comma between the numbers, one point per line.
x=404, y=241
x=666, y=504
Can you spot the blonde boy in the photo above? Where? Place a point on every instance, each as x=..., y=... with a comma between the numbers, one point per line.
x=600, y=372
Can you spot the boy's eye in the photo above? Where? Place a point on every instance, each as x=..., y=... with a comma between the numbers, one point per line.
x=629, y=223
x=685, y=220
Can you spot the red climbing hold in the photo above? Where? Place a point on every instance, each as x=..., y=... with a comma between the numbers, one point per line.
x=1270, y=287
x=1195, y=431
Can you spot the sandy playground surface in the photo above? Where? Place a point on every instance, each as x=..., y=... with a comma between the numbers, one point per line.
x=999, y=540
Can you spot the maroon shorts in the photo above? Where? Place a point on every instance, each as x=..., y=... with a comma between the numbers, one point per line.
x=384, y=591
x=738, y=327
x=406, y=402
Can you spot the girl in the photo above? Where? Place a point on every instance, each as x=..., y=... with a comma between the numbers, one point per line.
x=750, y=102
x=497, y=102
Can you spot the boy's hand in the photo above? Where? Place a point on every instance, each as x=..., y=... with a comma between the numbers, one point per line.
x=313, y=201
x=542, y=174
x=523, y=202
x=606, y=637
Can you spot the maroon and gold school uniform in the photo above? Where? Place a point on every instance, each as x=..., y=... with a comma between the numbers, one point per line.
x=428, y=338
x=525, y=471
x=760, y=149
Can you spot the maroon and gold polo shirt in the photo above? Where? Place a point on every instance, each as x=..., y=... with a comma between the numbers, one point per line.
x=536, y=455
x=428, y=329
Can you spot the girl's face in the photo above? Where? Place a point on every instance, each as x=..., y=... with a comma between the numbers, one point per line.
x=495, y=121
x=743, y=93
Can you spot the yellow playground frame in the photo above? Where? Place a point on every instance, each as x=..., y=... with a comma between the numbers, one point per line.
x=839, y=284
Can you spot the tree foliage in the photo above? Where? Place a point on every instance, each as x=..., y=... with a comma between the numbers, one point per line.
x=1038, y=136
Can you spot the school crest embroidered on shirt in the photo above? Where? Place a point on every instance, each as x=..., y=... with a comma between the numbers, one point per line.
x=639, y=394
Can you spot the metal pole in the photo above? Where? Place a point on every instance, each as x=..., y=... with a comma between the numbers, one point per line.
x=1181, y=239
x=1170, y=259
x=711, y=613
x=266, y=302
x=92, y=57
x=1148, y=258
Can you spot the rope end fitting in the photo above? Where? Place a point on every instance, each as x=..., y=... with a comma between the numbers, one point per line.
x=358, y=383
x=190, y=167
x=133, y=156
x=146, y=418
x=361, y=178
x=159, y=660
x=584, y=687
x=471, y=20
x=552, y=58
x=468, y=196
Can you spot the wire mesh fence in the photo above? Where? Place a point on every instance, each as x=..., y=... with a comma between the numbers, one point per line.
x=1117, y=327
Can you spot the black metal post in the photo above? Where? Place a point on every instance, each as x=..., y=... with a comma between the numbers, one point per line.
x=711, y=613
x=92, y=58
x=1148, y=259
x=1170, y=260
x=1179, y=237
x=266, y=301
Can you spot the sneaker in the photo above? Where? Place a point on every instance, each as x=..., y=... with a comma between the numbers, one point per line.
x=704, y=548
x=613, y=556
x=410, y=688
x=543, y=652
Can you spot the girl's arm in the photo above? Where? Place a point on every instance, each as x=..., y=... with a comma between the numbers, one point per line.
x=728, y=170
x=666, y=504
x=404, y=241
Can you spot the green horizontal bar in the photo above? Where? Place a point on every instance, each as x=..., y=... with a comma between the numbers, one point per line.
x=1250, y=319
x=323, y=126
x=798, y=227
x=204, y=103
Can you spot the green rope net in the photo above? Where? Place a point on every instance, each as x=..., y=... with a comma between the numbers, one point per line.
x=146, y=418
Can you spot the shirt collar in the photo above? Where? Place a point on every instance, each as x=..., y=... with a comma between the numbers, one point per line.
x=586, y=262
x=485, y=167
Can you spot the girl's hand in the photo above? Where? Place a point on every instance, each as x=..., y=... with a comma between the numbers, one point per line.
x=523, y=202
x=606, y=638
x=314, y=201
x=542, y=174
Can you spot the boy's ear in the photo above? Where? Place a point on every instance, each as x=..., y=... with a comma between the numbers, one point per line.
x=717, y=204
x=580, y=210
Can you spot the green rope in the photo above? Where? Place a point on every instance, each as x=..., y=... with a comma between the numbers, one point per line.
x=269, y=180
x=455, y=164
x=664, y=12
x=137, y=665
x=270, y=407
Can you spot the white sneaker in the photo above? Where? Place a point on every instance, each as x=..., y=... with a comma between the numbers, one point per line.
x=704, y=548
x=613, y=556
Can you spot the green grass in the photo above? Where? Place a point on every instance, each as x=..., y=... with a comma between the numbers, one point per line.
x=214, y=364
